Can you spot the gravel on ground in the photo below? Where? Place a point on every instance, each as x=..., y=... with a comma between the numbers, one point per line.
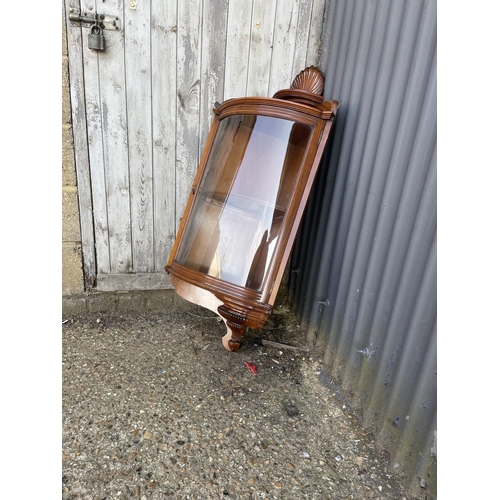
x=153, y=407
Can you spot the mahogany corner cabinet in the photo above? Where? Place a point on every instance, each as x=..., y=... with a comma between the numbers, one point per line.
x=247, y=200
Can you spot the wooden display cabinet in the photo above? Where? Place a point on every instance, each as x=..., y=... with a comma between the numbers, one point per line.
x=247, y=200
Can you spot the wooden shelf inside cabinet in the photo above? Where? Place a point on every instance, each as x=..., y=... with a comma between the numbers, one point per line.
x=246, y=206
x=248, y=196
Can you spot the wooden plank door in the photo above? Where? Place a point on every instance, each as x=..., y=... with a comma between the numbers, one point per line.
x=142, y=109
x=124, y=115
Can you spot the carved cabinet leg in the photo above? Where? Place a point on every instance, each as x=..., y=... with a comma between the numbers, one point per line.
x=235, y=328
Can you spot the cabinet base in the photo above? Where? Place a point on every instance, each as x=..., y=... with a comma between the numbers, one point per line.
x=236, y=314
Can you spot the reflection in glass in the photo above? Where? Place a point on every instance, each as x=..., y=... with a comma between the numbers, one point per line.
x=244, y=193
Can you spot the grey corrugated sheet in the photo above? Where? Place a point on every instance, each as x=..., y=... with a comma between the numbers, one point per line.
x=363, y=270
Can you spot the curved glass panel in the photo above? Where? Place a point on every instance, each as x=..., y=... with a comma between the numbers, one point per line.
x=244, y=193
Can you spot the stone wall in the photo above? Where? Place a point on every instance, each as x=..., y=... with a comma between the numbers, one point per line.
x=72, y=269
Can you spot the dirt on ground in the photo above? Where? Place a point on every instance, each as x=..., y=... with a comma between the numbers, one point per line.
x=154, y=407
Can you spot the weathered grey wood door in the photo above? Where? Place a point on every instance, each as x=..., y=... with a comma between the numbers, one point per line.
x=142, y=109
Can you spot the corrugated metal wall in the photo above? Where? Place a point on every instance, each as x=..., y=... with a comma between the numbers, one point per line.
x=363, y=270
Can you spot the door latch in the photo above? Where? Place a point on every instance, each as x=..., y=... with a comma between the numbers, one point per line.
x=104, y=21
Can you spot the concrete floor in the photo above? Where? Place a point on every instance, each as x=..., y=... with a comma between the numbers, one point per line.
x=154, y=408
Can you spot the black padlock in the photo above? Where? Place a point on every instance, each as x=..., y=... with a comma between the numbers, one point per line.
x=96, y=38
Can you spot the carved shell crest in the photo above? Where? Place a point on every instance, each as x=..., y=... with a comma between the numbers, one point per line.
x=311, y=80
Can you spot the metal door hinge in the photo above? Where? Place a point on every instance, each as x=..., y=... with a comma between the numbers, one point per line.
x=105, y=21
